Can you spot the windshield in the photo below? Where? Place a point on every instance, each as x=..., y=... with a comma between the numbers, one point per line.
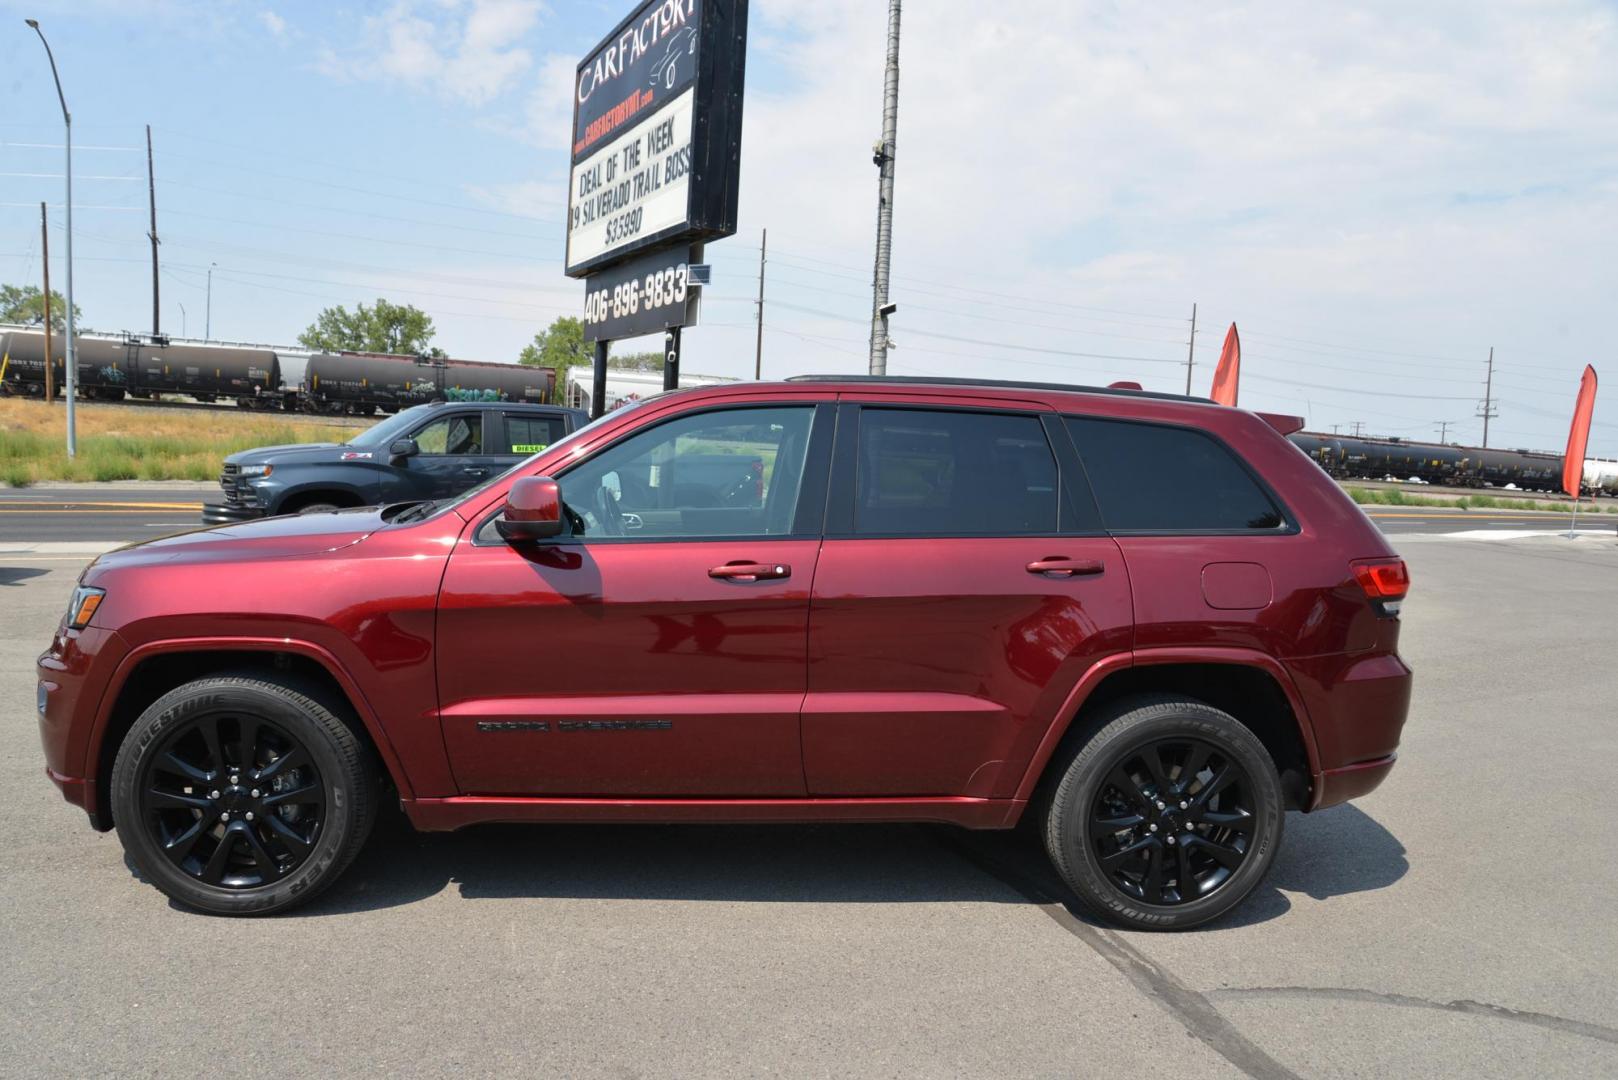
x=565, y=441
x=391, y=428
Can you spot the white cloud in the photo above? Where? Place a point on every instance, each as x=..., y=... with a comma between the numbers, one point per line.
x=464, y=50
x=272, y=22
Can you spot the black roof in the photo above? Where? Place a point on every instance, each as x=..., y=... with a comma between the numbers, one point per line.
x=925, y=380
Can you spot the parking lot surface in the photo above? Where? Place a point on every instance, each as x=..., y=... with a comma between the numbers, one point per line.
x=1459, y=921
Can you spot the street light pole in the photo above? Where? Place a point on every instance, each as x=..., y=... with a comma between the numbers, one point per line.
x=207, y=322
x=72, y=348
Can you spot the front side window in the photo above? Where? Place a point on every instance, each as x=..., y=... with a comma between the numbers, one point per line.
x=1157, y=478
x=459, y=434
x=929, y=472
x=731, y=472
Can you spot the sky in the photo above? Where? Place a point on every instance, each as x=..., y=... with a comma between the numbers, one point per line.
x=1376, y=193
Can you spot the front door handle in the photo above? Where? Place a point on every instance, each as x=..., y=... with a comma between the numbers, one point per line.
x=474, y=470
x=1062, y=566
x=743, y=572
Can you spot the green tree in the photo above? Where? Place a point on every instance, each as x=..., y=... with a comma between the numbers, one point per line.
x=562, y=346
x=25, y=304
x=384, y=327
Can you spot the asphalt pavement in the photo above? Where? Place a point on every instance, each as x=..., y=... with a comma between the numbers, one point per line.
x=1457, y=922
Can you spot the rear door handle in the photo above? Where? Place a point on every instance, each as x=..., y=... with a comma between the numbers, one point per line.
x=1062, y=566
x=743, y=572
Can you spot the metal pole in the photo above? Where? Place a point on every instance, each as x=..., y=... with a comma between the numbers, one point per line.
x=671, y=359
x=598, y=381
x=884, y=212
x=45, y=260
x=182, y=317
x=72, y=352
x=758, y=348
x=1488, y=398
x=207, y=322
x=151, y=192
x=1191, y=351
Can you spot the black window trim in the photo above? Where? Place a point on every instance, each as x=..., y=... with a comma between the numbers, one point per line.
x=1289, y=522
x=840, y=495
x=808, y=518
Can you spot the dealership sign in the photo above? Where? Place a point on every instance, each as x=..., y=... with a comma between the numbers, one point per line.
x=657, y=120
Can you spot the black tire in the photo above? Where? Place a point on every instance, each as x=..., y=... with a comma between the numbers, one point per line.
x=1104, y=826
x=317, y=508
x=171, y=780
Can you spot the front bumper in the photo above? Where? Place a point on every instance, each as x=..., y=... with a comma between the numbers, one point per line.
x=73, y=677
x=227, y=513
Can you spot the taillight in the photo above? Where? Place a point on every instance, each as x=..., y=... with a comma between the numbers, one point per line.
x=1385, y=581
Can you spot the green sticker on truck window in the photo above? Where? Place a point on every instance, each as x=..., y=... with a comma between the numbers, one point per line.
x=528, y=447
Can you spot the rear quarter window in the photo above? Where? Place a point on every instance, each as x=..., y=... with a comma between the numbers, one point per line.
x=1160, y=478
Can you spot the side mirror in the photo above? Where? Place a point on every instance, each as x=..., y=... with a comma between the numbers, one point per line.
x=403, y=448
x=533, y=510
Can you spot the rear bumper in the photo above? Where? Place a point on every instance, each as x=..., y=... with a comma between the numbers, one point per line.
x=1357, y=705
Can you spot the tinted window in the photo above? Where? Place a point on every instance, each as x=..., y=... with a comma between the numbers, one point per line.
x=733, y=472
x=935, y=473
x=458, y=434
x=531, y=434
x=1151, y=478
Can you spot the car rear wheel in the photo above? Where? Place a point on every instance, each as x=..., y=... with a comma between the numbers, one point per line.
x=242, y=796
x=1167, y=817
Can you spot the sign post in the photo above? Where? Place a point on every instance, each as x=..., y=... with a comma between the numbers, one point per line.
x=657, y=124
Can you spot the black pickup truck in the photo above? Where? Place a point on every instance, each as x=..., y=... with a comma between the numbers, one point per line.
x=428, y=452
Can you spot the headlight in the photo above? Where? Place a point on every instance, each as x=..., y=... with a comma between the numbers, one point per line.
x=85, y=602
x=250, y=471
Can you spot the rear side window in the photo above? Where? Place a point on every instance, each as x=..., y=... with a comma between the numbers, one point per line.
x=1155, y=478
x=531, y=434
x=937, y=473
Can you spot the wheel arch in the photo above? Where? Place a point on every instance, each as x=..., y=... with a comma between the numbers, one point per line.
x=152, y=670
x=1251, y=686
x=318, y=491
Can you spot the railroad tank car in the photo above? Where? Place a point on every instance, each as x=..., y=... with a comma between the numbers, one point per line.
x=207, y=373
x=103, y=365
x=1437, y=463
x=360, y=382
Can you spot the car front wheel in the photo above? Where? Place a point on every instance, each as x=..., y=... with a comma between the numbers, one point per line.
x=242, y=795
x=1167, y=817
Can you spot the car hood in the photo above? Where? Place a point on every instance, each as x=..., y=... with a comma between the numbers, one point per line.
x=265, y=538
x=300, y=454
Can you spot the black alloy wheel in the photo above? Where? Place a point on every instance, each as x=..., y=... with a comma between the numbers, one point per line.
x=233, y=801
x=1164, y=814
x=244, y=794
x=1174, y=821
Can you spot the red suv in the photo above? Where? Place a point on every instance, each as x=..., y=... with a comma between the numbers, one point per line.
x=1147, y=622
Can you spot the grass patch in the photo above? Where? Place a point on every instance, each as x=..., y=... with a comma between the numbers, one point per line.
x=1400, y=497
x=120, y=443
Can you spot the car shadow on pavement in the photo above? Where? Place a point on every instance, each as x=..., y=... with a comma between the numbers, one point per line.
x=1332, y=853
x=16, y=575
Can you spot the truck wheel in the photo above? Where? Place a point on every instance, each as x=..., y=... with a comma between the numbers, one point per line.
x=242, y=796
x=317, y=508
x=1167, y=817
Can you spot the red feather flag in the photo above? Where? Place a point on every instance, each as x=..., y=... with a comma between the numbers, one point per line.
x=1578, y=436
x=1229, y=372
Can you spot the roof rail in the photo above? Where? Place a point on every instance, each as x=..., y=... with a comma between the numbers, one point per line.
x=927, y=380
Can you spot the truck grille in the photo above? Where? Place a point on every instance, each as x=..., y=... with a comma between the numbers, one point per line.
x=228, y=481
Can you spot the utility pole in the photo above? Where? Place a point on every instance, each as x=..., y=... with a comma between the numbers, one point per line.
x=207, y=317
x=1443, y=431
x=72, y=380
x=1487, y=409
x=883, y=157
x=1191, y=351
x=45, y=261
x=1359, y=428
x=1335, y=428
x=758, y=348
x=151, y=192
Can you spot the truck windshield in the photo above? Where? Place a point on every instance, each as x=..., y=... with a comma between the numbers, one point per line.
x=391, y=428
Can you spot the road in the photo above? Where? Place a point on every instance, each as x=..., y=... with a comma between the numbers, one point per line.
x=1459, y=921
x=133, y=512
